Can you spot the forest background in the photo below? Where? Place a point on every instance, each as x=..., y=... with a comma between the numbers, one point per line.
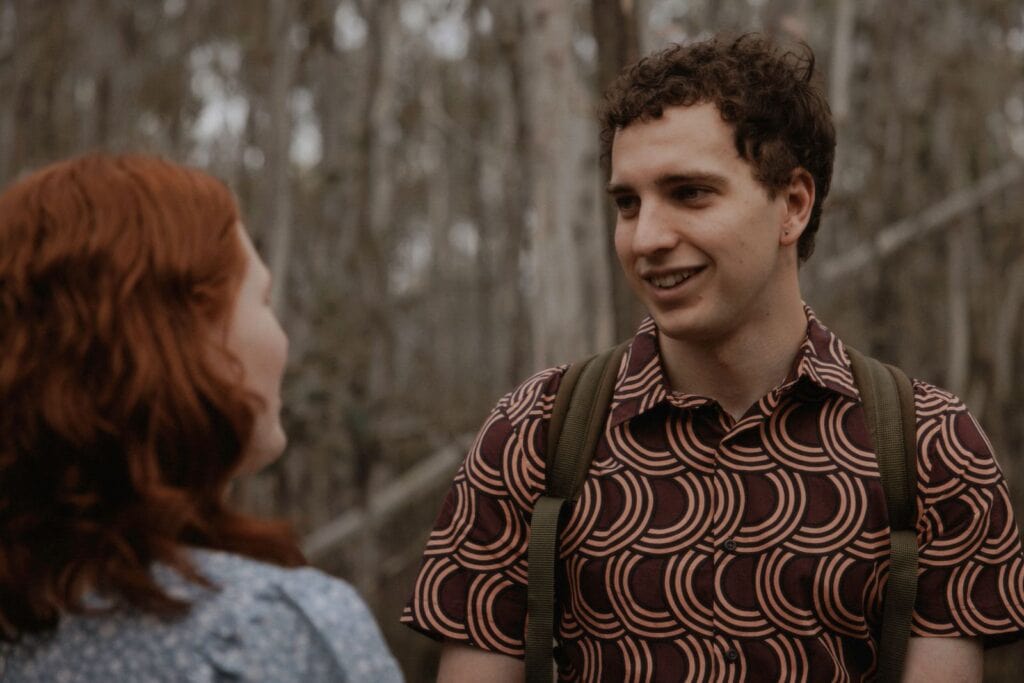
x=422, y=177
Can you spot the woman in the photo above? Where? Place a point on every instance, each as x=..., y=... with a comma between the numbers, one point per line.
x=140, y=373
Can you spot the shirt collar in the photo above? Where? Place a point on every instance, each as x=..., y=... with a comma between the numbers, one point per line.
x=642, y=384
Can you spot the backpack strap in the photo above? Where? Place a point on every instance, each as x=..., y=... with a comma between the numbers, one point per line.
x=577, y=422
x=885, y=393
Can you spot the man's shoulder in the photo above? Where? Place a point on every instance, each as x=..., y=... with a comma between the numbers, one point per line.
x=934, y=401
x=639, y=374
x=948, y=432
x=533, y=398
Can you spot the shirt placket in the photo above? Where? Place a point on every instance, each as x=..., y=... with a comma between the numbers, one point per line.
x=723, y=545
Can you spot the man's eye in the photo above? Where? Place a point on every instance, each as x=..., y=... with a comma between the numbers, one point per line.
x=626, y=203
x=689, y=193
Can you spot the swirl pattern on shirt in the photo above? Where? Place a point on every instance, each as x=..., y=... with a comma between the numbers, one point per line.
x=707, y=548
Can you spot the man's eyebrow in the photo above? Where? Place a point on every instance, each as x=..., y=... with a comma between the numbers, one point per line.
x=672, y=179
x=695, y=177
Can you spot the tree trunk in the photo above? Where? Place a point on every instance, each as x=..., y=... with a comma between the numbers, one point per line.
x=278, y=146
x=616, y=32
x=958, y=352
x=556, y=293
x=842, y=60
x=512, y=296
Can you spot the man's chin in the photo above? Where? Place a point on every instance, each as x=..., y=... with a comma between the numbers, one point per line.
x=684, y=326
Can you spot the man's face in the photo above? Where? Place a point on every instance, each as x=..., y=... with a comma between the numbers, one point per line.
x=700, y=241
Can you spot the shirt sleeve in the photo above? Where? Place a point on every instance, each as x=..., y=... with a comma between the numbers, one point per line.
x=971, y=569
x=471, y=586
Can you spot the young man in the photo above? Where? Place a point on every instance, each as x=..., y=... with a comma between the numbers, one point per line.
x=733, y=525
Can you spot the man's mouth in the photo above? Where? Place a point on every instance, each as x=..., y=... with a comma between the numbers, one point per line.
x=673, y=279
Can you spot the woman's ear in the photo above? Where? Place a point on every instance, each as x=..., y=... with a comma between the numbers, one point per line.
x=799, y=200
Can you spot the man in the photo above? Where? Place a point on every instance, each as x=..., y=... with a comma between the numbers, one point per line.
x=733, y=524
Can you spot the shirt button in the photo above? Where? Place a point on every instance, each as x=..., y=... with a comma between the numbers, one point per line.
x=732, y=655
x=729, y=545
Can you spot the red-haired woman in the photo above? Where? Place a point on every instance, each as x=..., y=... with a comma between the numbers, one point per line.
x=140, y=371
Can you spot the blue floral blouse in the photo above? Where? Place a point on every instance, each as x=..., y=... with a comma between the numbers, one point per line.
x=265, y=623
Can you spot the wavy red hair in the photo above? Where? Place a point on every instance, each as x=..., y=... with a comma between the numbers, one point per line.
x=119, y=432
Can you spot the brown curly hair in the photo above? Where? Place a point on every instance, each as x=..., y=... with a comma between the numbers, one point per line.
x=780, y=116
x=119, y=431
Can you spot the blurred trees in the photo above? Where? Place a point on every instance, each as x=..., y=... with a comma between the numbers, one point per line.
x=422, y=177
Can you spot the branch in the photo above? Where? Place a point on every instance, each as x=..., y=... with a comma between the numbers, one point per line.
x=938, y=215
x=388, y=501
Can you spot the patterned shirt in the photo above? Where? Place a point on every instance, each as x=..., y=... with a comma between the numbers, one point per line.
x=708, y=548
x=265, y=623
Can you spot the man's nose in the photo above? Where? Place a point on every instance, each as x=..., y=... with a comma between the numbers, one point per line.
x=655, y=230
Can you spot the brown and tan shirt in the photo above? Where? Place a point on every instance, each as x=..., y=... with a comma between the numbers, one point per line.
x=704, y=548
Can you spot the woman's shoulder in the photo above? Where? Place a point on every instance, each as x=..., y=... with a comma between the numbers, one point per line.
x=319, y=619
x=241, y=582
x=233, y=574
x=257, y=622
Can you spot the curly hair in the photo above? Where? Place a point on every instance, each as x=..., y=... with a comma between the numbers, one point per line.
x=119, y=431
x=778, y=112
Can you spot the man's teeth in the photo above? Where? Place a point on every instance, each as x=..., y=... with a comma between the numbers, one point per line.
x=667, y=281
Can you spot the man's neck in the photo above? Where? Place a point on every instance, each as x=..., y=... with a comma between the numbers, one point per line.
x=739, y=368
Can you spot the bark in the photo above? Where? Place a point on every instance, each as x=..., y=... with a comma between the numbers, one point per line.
x=616, y=32
x=556, y=293
x=490, y=346
x=283, y=59
x=510, y=29
x=842, y=60
x=958, y=352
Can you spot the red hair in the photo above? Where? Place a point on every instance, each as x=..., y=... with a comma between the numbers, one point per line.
x=118, y=434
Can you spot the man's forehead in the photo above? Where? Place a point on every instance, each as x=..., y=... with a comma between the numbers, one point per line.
x=684, y=141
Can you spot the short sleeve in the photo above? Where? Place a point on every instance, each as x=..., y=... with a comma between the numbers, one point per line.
x=471, y=586
x=971, y=569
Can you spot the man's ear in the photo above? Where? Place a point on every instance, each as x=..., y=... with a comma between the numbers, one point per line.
x=799, y=200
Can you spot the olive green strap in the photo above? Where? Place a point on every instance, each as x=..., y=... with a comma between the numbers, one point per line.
x=887, y=393
x=540, y=588
x=577, y=422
